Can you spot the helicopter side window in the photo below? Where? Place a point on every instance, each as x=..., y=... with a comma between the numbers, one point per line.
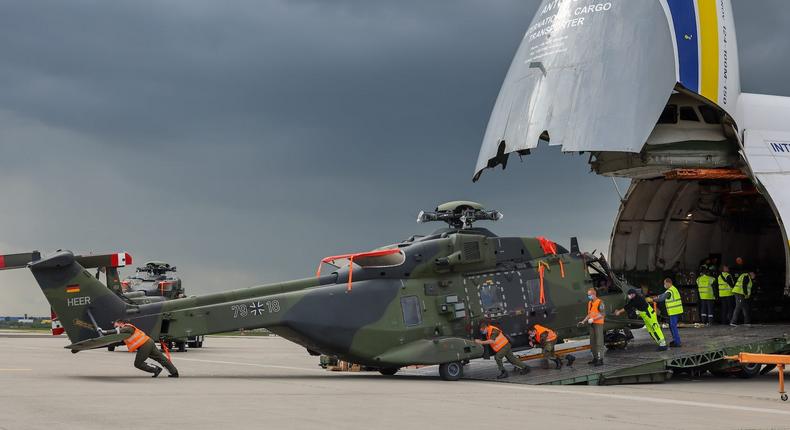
x=491, y=296
x=411, y=311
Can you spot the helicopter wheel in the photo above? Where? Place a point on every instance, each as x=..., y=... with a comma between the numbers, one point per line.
x=749, y=371
x=783, y=397
x=389, y=371
x=451, y=371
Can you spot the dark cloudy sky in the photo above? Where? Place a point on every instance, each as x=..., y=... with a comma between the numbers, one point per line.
x=244, y=140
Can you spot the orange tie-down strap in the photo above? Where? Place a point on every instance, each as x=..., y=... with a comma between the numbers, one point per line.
x=542, y=265
x=350, y=258
x=165, y=349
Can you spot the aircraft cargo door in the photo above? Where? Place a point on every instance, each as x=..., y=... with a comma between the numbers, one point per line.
x=768, y=155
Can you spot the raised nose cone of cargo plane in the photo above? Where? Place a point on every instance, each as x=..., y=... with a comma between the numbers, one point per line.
x=651, y=90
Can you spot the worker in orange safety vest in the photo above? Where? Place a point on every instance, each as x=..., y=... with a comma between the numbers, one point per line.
x=138, y=341
x=545, y=338
x=595, y=319
x=494, y=337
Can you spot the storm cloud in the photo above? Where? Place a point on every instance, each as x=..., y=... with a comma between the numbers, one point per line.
x=242, y=141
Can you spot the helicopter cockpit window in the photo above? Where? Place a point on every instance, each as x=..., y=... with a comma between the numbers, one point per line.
x=491, y=296
x=411, y=311
x=600, y=278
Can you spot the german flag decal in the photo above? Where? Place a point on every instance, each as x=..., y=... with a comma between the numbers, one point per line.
x=73, y=288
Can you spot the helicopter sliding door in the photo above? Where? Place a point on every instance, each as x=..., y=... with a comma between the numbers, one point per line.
x=507, y=299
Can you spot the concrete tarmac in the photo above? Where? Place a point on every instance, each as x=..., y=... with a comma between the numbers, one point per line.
x=267, y=382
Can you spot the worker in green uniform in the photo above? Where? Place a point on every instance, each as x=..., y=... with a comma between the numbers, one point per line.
x=674, y=304
x=139, y=342
x=743, y=293
x=706, y=298
x=545, y=338
x=638, y=304
x=725, y=282
x=499, y=343
x=595, y=319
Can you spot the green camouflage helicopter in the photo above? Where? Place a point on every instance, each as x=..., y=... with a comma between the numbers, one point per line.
x=415, y=302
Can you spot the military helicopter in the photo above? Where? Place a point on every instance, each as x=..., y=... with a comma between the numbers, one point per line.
x=414, y=302
x=156, y=280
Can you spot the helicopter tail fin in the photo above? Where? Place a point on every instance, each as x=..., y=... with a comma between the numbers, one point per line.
x=80, y=301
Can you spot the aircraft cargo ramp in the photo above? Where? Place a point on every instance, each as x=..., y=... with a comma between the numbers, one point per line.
x=702, y=349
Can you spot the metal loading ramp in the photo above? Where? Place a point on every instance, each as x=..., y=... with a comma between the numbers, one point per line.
x=703, y=349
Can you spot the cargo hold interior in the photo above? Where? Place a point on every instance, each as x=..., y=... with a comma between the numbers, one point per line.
x=669, y=227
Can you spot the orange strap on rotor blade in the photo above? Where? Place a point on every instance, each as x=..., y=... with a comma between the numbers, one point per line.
x=562, y=269
x=541, y=269
x=166, y=349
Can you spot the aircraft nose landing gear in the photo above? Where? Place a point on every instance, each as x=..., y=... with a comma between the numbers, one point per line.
x=618, y=338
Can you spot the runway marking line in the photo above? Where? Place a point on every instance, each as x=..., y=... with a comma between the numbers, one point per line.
x=689, y=403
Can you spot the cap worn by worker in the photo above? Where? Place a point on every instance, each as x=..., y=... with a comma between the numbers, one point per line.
x=632, y=291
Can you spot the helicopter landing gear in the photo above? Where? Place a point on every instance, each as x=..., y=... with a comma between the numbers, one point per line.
x=451, y=371
x=389, y=371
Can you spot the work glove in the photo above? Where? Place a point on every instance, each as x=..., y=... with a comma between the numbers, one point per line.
x=590, y=321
